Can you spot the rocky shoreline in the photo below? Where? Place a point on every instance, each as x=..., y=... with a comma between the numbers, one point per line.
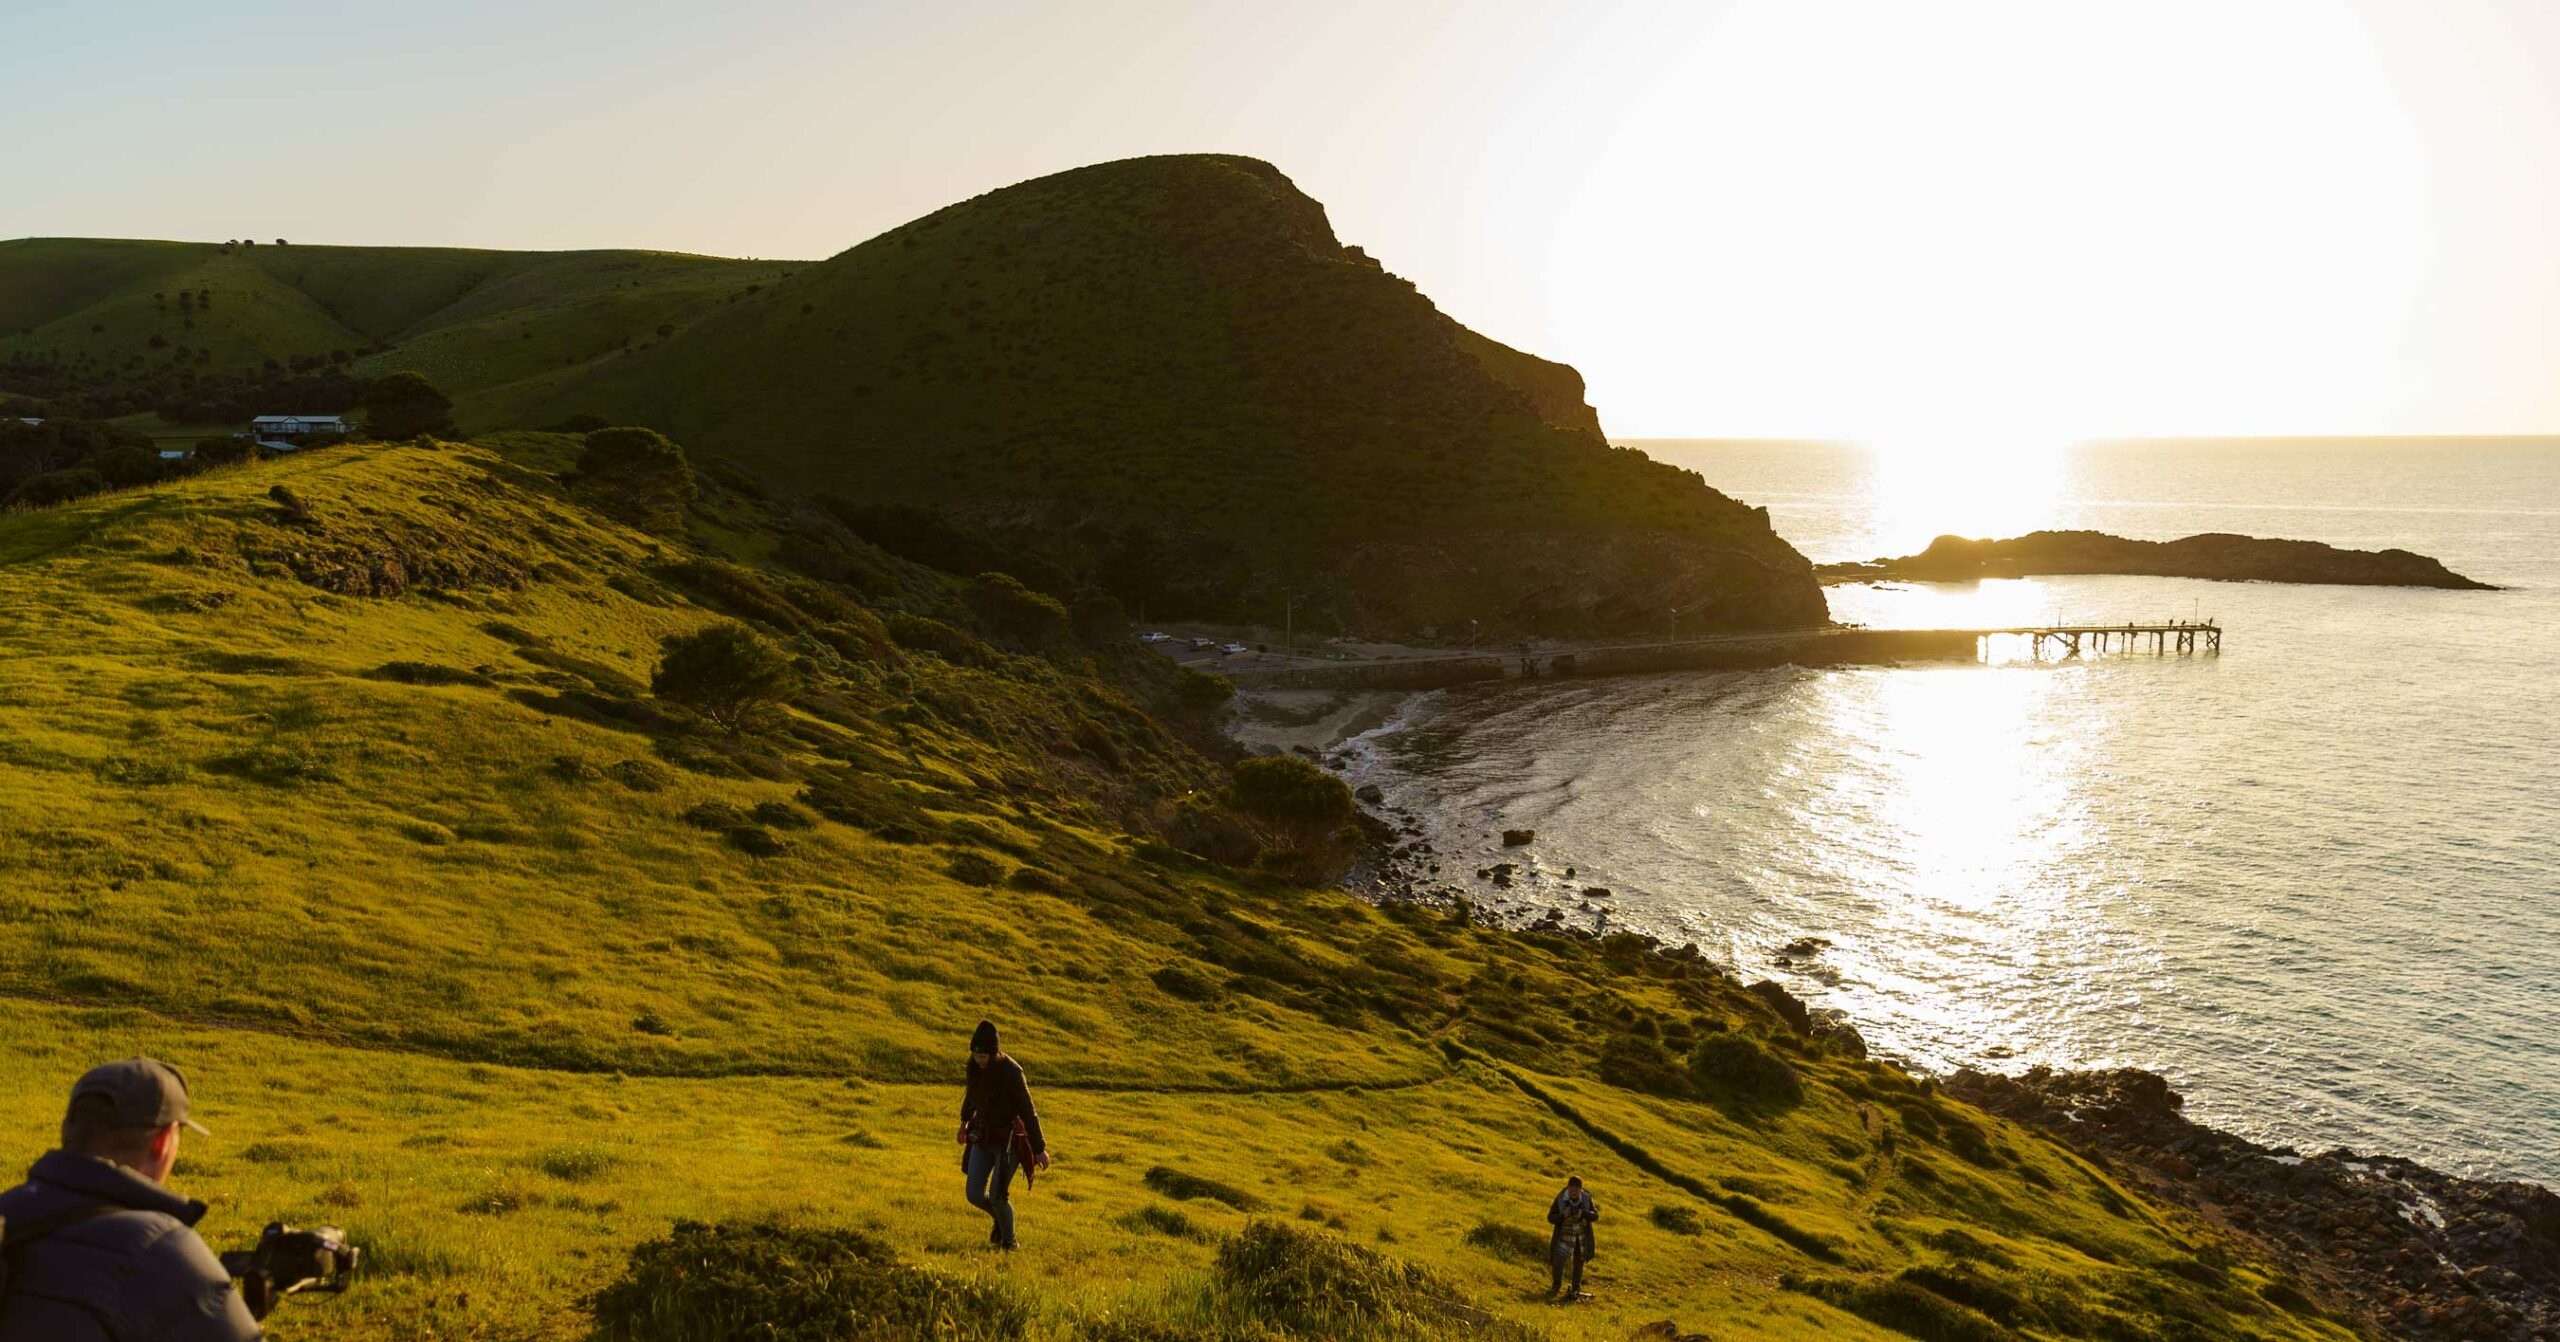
x=2216, y=556
x=2403, y=1250
x=2419, y=1254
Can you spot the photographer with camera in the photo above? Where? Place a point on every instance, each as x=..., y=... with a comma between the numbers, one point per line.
x=94, y=1247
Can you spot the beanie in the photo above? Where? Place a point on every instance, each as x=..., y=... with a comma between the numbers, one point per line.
x=984, y=1041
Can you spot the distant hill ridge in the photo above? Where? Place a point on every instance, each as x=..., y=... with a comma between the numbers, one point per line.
x=1180, y=346
x=1168, y=369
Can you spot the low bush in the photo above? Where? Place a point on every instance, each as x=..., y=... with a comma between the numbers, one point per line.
x=1904, y=1308
x=1155, y=1220
x=755, y=841
x=975, y=869
x=1677, y=1220
x=1633, y=1062
x=1320, y=1285
x=782, y=815
x=1177, y=981
x=1737, y=1067
x=640, y=775
x=1508, y=1241
x=771, y=1282
x=425, y=673
x=918, y=633
x=1183, y=1187
x=718, y=815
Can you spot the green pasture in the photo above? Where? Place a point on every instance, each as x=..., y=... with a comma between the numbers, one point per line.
x=473, y=947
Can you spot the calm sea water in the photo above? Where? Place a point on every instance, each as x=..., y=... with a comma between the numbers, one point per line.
x=2315, y=881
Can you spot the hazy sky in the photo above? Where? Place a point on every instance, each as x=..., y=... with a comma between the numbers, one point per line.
x=1903, y=220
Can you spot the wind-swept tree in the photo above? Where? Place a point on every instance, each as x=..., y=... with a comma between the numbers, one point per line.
x=726, y=672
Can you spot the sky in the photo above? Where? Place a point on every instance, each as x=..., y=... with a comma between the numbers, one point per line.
x=1902, y=221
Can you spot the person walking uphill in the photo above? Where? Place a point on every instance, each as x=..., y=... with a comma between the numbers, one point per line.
x=999, y=1132
x=1572, y=1245
x=98, y=1248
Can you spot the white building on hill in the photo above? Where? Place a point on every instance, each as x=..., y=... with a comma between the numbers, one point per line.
x=286, y=431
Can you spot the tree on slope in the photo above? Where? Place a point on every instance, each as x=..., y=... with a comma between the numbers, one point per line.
x=1303, y=810
x=405, y=405
x=726, y=672
x=637, y=475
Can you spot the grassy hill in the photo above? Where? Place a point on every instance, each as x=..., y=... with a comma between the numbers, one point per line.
x=135, y=310
x=1166, y=375
x=1175, y=355
x=354, y=804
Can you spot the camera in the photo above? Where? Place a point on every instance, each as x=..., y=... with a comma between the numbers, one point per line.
x=290, y=1260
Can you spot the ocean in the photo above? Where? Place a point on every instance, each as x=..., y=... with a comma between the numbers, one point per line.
x=2315, y=880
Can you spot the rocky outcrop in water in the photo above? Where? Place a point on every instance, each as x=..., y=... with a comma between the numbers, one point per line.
x=2425, y=1255
x=2217, y=556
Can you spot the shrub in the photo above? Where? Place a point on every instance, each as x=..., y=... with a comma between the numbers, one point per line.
x=755, y=841
x=1677, y=1220
x=1633, y=1062
x=727, y=672
x=1508, y=1241
x=425, y=673
x=406, y=405
x=637, y=475
x=77, y=482
x=1320, y=1285
x=640, y=775
x=952, y=645
x=1016, y=614
x=775, y=1283
x=1201, y=691
x=782, y=815
x=1035, y=878
x=576, y=1164
x=1736, y=1067
x=1183, y=1187
x=1304, y=810
x=718, y=815
x=1905, y=1308
x=1152, y=1219
x=975, y=869
x=1177, y=981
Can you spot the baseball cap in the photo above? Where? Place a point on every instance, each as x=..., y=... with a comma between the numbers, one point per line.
x=145, y=1093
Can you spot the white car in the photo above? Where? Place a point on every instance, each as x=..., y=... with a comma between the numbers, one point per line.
x=1155, y=638
x=1199, y=645
x=1231, y=648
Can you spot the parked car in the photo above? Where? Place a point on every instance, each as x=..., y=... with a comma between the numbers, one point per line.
x=1200, y=645
x=1155, y=638
x=1231, y=648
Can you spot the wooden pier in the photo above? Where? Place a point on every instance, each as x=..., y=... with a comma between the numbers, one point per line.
x=2184, y=638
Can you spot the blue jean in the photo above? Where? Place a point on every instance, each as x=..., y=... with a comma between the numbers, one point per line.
x=990, y=1179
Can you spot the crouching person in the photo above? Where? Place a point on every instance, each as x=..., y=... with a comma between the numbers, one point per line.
x=98, y=1248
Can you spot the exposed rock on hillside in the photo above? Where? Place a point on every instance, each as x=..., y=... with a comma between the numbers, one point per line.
x=2214, y=555
x=2428, y=1255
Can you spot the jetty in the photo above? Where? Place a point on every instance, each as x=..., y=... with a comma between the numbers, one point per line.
x=2184, y=637
x=1829, y=645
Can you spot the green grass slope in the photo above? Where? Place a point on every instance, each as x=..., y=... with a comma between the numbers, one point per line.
x=468, y=319
x=364, y=817
x=1180, y=345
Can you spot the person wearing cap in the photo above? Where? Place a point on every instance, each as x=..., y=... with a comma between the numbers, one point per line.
x=1569, y=1248
x=98, y=1247
x=997, y=1125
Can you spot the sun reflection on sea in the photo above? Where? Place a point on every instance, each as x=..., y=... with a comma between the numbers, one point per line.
x=1965, y=823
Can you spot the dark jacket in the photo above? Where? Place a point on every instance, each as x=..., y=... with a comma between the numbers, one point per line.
x=1571, y=1214
x=133, y=1272
x=991, y=1098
